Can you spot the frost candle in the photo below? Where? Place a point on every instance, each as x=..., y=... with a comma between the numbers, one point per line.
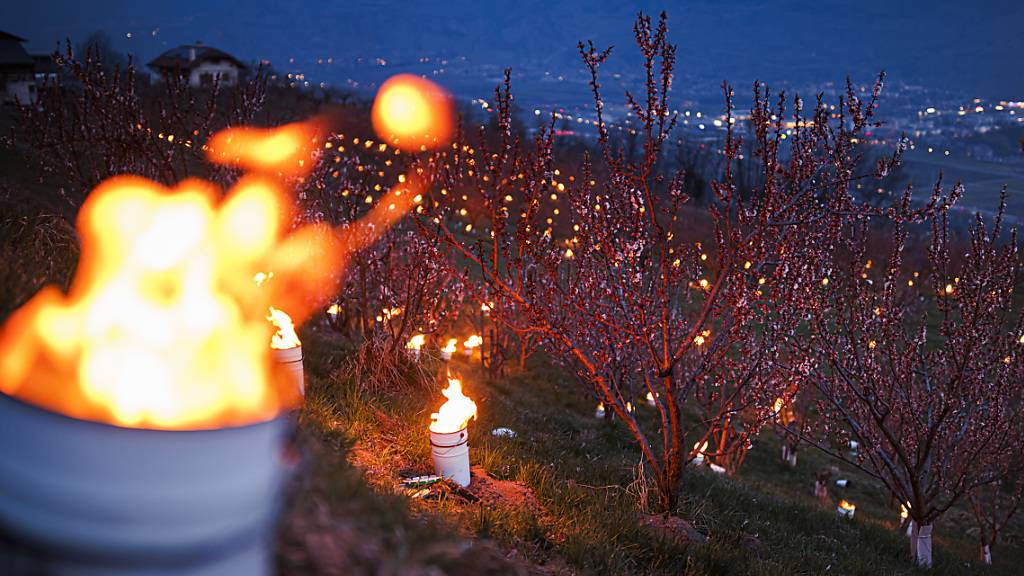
x=413, y=346
x=449, y=349
x=286, y=348
x=846, y=509
x=449, y=434
x=471, y=344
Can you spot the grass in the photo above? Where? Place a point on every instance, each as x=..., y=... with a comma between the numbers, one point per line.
x=764, y=521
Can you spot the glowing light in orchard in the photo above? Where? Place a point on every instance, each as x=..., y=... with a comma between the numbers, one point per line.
x=449, y=348
x=473, y=342
x=413, y=113
x=416, y=342
x=455, y=413
x=847, y=507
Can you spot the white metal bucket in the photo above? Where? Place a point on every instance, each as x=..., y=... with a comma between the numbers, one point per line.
x=80, y=497
x=451, y=455
x=291, y=360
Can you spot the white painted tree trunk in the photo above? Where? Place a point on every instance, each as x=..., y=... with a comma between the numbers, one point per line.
x=921, y=544
x=986, y=554
x=792, y=459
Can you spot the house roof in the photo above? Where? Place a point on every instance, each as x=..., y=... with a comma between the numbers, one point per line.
x=11, y=51
x=181, y=57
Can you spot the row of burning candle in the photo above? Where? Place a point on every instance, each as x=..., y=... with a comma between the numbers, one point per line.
x=417, y=342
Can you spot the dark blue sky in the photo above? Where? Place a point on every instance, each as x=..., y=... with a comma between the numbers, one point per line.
x=971, y=48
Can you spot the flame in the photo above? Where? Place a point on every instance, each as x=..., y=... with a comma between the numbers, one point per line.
x=904, y=511
x=416, y=342
x=413, y=113
x=455, y=413
x=847, y=506
x=450, y=346
x=285, y=337
x=161, y=327
x=779, y=403
x=473, y=341
x=334, y=309
x=284, y=150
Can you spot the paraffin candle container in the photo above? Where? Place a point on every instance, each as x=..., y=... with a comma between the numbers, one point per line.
x=450, y=452
x=84, y=498
x=291, y=360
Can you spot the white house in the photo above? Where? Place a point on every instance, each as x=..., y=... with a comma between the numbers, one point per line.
x=17, y=71
x=201, y=65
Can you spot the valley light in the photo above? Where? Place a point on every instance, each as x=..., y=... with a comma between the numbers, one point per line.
x=449, y=434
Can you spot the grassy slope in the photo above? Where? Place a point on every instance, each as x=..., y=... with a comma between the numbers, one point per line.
x=764, y=521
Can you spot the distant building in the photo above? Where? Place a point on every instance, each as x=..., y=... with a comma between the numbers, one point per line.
x=17, y=71
x=201, y=65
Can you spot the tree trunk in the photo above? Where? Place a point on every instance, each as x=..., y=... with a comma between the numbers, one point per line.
x=986, y=554
x=921, y=544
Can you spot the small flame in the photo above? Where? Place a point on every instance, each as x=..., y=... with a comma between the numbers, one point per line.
x=416, y=342
x=455, y=413
x=413, y=113
x=450, y=346
x=904, y=511
x=473, y=341
x=334, y=309
x=285, y=338
x=779, y=403
x=847, y=506
x=699, y=448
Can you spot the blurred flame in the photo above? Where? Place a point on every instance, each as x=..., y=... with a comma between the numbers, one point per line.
x=161, y=327
x=455, y=413
x=450, y=346
x=413, y=113
x=286, y=150
x=473, y=341
x=285, y=337
x=416, y=342
x=847, y=506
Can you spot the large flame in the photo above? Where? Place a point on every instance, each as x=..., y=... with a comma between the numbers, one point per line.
x=455, y=413
x=161, y=327
x=413, y=113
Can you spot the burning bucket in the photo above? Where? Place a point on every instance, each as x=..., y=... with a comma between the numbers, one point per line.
x=290, y=361
x=449, y=434
x=450, y=452
x=82, y=497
